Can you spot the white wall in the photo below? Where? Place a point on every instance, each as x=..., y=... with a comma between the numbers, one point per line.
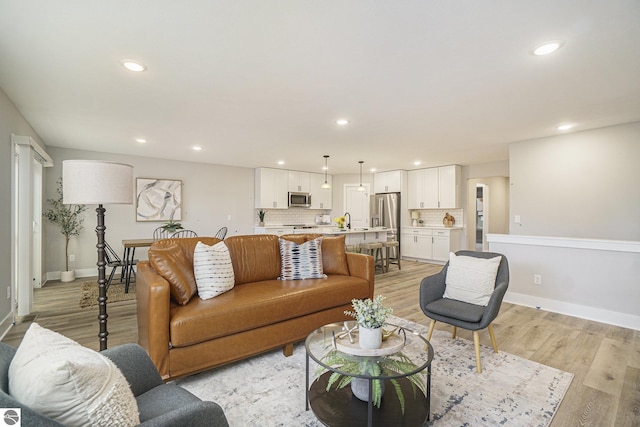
x=585, y=184
x=211, y=194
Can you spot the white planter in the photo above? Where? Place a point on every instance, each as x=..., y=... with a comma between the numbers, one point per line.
x=68, y=276
x=369, y=338
x=360, y=388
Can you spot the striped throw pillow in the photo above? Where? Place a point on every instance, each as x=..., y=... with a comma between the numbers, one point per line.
x=301, y=261
x=213, y=269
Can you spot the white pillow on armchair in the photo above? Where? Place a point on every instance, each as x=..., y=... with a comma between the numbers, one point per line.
x=471, y=279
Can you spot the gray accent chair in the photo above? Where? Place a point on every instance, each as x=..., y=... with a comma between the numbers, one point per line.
x=460, y=314
x=159, y=404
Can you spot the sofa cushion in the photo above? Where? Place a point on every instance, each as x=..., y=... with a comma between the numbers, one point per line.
x=254, y=257
x=334, y=256
x=470, y=279
x=260, y=304
x=301, y=261
x=213, y=269
x=69, y=383
x=172, y=264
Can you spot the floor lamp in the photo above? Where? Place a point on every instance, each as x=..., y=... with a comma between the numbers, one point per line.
x=95, y=182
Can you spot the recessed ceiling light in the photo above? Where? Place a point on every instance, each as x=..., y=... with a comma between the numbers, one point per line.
x=417, y=163
x=197, y=148
x=372, y=170
x=132, y=65
x=342, y=122
x=281, y=162
x=547, y=47
x=565, y=126
x=141, y=140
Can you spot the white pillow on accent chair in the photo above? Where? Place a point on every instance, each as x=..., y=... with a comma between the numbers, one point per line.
x=69, y=383
x=213, y=269
x=471, y=279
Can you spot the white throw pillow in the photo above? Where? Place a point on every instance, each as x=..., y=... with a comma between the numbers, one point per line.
x=471, y=279
x=72, y=384
x=213, y=269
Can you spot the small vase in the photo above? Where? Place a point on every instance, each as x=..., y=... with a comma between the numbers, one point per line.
x=360, y=388
x=369, y=338
x=261, y=224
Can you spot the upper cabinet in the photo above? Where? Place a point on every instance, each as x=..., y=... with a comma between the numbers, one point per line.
x=299, y=182
x=434, y=188
x=321, y=198
x=387, y=182
x=271, y=188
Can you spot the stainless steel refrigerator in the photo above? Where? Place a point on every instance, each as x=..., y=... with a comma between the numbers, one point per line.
x=385, y=212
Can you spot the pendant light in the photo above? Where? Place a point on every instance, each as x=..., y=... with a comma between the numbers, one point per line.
x=326, y=185
x=361, y=188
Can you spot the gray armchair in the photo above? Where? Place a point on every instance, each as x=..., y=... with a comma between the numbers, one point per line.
x=461, y=314
x=159, y=404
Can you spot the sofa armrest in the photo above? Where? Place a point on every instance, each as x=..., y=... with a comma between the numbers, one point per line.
x=204, y=414
x=362, y=266
x=136, y=366
x=154, y=301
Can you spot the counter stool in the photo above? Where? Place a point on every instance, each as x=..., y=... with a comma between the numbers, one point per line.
x=351, y=248
x=391, y=260
x=374, y=249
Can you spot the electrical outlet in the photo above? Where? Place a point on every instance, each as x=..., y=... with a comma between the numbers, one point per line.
x=72, y=258
x=516, y=219
x=537, y=279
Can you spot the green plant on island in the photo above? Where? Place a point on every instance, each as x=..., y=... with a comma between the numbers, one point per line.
x=370, y=313
x=171, y=227
x=390, y=365
x=67, y=217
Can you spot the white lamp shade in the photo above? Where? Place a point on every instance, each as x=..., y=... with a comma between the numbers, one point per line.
x=415, y=215
x=96, y=182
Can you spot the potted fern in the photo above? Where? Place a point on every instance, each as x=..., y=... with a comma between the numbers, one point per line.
x=69, y=219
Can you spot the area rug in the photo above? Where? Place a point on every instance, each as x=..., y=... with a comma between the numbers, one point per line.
x=268, y=390
x=115, y=293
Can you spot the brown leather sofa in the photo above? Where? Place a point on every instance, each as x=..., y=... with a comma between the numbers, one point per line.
x=259, y=314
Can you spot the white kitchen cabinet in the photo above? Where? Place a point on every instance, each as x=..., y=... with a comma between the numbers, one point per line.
x=434, y=188
x=271, y=187
x=430, y=244
x=321, y=198
x=299, y=182
x=387, y=182
x=416, y=243
x=423, y=188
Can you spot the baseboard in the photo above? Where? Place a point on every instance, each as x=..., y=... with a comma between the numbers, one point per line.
x=84, y=272
x=582, y=311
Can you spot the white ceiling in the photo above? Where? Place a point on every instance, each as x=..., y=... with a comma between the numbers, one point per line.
x=253, y=82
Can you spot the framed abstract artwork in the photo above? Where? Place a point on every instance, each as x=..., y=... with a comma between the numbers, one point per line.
x=158, y=199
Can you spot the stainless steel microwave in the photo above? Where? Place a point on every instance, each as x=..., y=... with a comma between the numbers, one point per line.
x=299, y=200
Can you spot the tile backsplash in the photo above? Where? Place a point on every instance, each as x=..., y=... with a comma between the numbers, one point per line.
x=435, y=216
x=291, y=216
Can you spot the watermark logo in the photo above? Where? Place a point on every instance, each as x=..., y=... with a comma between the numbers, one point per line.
x=11, y=417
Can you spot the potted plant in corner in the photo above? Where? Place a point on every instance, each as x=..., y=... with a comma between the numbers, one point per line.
x=261, y=215
x=69, y=219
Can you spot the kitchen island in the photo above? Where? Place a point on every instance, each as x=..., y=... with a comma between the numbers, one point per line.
x=354, y=236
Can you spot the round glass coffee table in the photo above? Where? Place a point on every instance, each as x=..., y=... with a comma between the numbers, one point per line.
x=405, y=374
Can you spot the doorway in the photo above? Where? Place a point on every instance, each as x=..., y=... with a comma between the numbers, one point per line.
x=28, y=160
x=487, y=210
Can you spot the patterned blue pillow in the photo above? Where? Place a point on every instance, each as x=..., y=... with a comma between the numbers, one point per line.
x=301, y=261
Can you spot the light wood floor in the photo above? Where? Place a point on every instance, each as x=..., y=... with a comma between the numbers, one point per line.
x=604, y=359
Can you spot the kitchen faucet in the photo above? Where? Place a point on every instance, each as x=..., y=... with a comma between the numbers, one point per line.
x=348, y=222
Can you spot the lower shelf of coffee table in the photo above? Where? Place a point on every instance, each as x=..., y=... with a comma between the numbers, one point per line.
x=340, y=408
